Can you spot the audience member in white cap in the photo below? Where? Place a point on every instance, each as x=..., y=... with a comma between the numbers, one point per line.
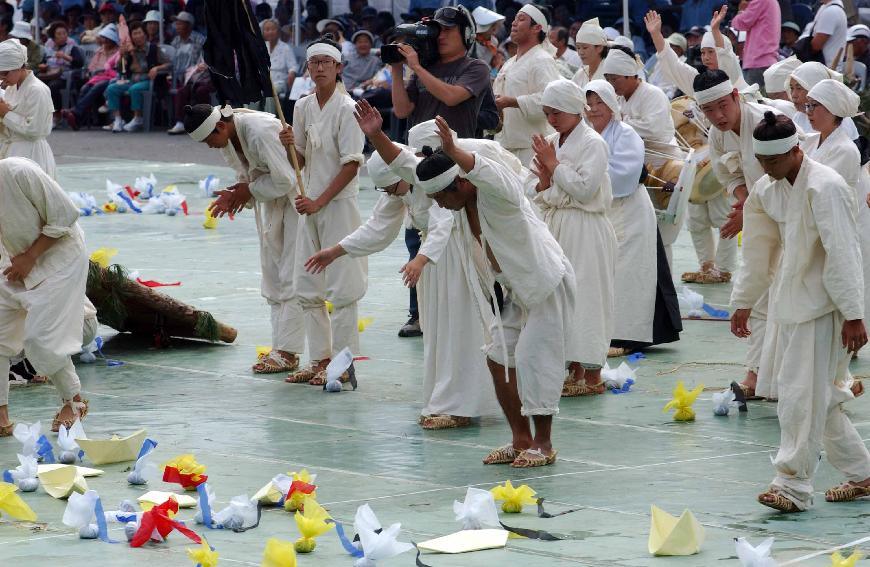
x=859, y=39
x=35, y=52
x=521, y=81
x=485, y=45
x=592, y=47
x=25, y=109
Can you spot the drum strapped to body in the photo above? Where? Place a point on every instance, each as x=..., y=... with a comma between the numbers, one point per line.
x=691, y=132
x=670, y=176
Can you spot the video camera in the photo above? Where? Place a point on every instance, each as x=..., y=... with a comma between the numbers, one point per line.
x=422, y=36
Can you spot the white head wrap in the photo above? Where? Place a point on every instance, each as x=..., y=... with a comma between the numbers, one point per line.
x=539, y=18
x=810, y=73
x=592, y=33
x=439, y=182
x=611, y=33
x=715, y=92
x=839, y=99
x=323, y=49
x=708, y=41
x=619, y=63
x=13, y=55
x=425, y=134
x=605, y=90
x=564, y=95
x=623, y=41
x=379, y=172
x=776, y=76
x=207, y=127
x=775, y=147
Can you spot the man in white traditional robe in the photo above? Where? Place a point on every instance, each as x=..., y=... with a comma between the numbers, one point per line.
x=521, y=81
x=265, y=181
x=801, y=243
x=25, y=109
x=533, y=336
x=42, y=288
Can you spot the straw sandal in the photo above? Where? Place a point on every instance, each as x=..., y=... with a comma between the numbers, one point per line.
x=846, y=492
x=534, y=458
x=275, y=362
x=501, y=456
x=778, y=502
x=438, y=421
x=6, y=430
x=857, y=388
x=615, y=352
x=79, y=410
x=571, y=389
x=305, y=375
x=748, y=393
x=713, y=277
x=319, y=379
x=690, y=277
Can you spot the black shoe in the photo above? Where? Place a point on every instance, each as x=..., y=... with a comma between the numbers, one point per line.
x=411, y=328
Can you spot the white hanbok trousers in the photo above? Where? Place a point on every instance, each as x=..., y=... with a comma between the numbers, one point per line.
x=45, y=322
x=456, y=380
x=634, y=221
x=864, y=237
x=757, y=345
x=812, y=370
x=278, y=227
x=540, y=341
x=703, y=219
x=343, y=284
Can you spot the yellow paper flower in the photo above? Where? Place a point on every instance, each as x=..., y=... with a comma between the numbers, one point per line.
x=311, y=523
x=109, y=207
x=838, y=560
x=514, y=498
x=13, y=505
x=102, y=256
x=363, y=323
x=263, y=352
x=682, y=402
x=278, y=553
x=303, y=476
x=203, y=556
x=210, y=219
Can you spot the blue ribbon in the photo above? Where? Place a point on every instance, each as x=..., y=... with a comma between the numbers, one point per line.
x=207, y=185
x=44, y=450
x=713, y=312
x=130, y=517
x=204, y=506
x=635, y=356
x=147, y=446
x=129, y=201
x=7, y=476
x=109, y=362
x=625, y=387
x=102, y=528
x=346, y=543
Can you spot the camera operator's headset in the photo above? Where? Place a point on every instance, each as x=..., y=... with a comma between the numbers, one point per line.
x=469, y=29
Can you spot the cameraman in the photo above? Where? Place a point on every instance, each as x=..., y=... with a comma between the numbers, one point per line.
x=453, y=87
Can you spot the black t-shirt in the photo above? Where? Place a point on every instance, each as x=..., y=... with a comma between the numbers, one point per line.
x=472, y=74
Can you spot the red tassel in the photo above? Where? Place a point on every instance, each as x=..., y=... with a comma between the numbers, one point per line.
x=184, y=207
x=154, y=283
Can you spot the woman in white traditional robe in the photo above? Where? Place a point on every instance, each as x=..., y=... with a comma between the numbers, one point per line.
x=26, y=109
x=265, y=181
x=776, y=79
x=591, y=45
x=574, y=194
x=456, y=383
x=329, y=145
x=799, y=84
x=42, y=291
x=829, y=104
x=646, y=311
x=800, y=245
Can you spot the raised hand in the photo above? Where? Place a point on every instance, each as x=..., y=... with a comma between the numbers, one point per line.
x=718, y=17
x=653, y=23
x=369, y=119
x=448, y=144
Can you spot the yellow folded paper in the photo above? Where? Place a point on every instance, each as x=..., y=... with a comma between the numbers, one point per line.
x=311, y=523
x=63, y=481
x=837, y=560
x=674, y=536
x=12, y=504
x=467, y=541
x=86, y=472
x=114, y=450
x=155, y=497
x=682, y=402
x=278, y=553
x=103, y=255
x=203, y=556
x=513, y=499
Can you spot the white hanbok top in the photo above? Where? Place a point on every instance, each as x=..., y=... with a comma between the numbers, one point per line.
x=387, y=220
x=582, y=78
x=329, y=137
x=733, y=156
x=33, y=204
x=625, y=158
x=648, y=111
x=802, y=121
x=24, y=129
x=524, y=79
x=841, y=154
x=805, y=236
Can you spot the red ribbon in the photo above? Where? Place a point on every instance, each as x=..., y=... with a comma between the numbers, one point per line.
x=155, y=283
x=171, y=474
x=157, y=518
x=299, y=486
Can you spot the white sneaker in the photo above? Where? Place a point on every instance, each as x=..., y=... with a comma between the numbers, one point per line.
x=118, y=125
x=103, y=109
x=134, y=125
x=177, y=129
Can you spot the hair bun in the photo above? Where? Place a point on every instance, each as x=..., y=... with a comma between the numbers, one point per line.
x=328, y=36
x=769, y=117
x=427, y=151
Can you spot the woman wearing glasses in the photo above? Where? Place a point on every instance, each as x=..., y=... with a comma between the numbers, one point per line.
x=329, y=146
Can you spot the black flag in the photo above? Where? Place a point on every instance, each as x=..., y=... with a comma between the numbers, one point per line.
x=236, y=53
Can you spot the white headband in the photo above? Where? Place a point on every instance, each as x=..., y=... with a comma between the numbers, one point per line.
x=723, y=89
x=439, y=182
x=536, y=15
x=774, y=147
x=207, y=127
x=620, y=63
x=323, y=49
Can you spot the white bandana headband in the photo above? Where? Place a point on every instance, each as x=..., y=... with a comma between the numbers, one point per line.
x=425, y=134
x=13, y=55
x=839, y=99
x=723, y=89
x=380, y=173
x=564, y=95
x=439, y=182
x=539, y=18
x=774, y=147
x=323, y=49
x=207, y=127
x=620, y=63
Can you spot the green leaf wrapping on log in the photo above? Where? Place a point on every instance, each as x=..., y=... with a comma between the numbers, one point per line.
x=107, y=285
x=206, y=327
